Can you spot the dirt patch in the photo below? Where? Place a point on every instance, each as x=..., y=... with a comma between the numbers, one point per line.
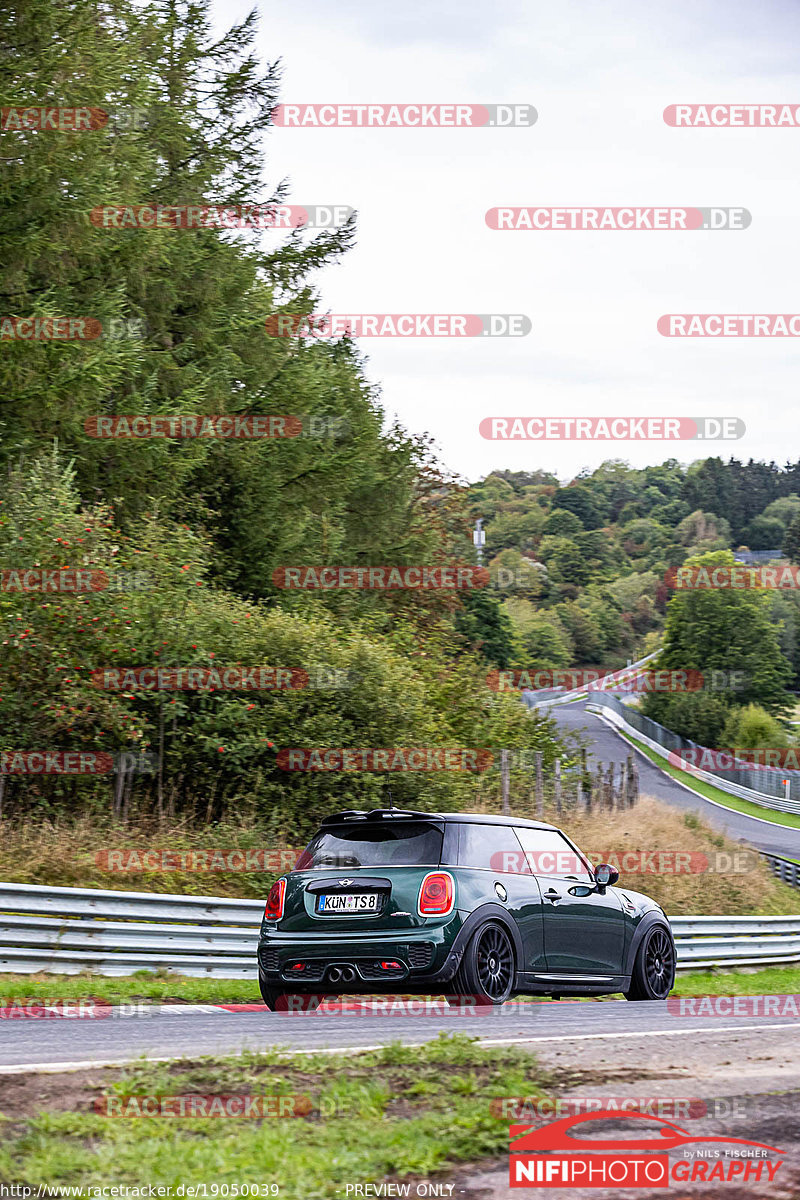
x=24, y=1096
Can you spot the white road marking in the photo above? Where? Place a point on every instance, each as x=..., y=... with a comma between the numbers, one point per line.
x=587, y=1037
x=289, y=1052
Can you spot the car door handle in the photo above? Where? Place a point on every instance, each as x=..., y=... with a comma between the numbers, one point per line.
x=552, y=895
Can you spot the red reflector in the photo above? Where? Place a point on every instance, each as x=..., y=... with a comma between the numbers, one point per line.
x=437, y=894
x=391, y=966
x=298, y=966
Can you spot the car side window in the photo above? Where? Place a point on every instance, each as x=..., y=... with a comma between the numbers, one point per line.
x=450, y=845
x=492, y=847
x=548, y=852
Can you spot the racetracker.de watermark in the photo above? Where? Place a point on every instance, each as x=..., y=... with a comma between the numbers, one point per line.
x=735, y=1006
x=55, y=762
x=600, y=680
x=624, y=219
x=200, y=679
x=259, y=862
x=191, y=425
x=765, y=758
x=538, y=1109
x=721, y=116
x=54, y=119
x=216, y=425
x=220, y=216
x=69, y=580
x=417, y=758
x=71, y=329
x=195, y=1106
x=408, y=115
x=335, y=578
x=736, y=577
x=77, y=762
x=399, y=325
x=611, y=429
x=74, y=581
x=300, y=1004
x=716, y=325
x=626, y=861
x=24, y=1009
x=49, y=329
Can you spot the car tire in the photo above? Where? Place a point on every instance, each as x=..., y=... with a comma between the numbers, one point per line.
x=272, y=997
x=269, y=995
x=653, y=974
x=487, y=971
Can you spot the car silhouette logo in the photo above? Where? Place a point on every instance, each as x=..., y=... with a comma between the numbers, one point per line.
x=556, y=1136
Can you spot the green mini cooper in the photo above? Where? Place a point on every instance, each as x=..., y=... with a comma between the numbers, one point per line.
x=460, y=904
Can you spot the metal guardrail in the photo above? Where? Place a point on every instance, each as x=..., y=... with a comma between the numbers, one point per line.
x=753, y=557
x=68, y=930
x=783, y=868
x=736, y=941
x=606, y=683
x=609, y=706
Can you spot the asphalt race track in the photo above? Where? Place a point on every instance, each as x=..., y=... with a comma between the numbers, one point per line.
x=196, y=1030
x=605, y=745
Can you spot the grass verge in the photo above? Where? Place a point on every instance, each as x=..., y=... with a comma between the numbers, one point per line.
x=767, y=981
x=714, y=876
x=712, y=793
x=80, y=853
x=178, y=989
x=144, y=985
x=395, y=1113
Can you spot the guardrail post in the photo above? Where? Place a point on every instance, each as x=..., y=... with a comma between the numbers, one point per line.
x=599, y=786
x=504, y=781
x=631, y=781
x=608, y=796
x=539, y=787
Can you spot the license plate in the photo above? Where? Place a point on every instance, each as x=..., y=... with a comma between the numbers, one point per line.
x=352, y=902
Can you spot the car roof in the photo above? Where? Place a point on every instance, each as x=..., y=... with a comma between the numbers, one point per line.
x=388, y=814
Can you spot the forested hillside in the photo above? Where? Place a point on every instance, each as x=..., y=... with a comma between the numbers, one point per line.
x=583, y=567
x=188, y=532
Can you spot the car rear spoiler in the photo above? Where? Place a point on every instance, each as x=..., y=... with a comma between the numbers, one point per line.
x=376, y=814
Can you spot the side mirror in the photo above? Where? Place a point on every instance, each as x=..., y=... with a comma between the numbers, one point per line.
x=605, y=876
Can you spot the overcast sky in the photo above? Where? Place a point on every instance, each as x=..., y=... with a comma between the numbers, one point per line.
x=599, y=77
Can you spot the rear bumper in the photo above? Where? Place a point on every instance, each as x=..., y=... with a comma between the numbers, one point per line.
x=425, y=956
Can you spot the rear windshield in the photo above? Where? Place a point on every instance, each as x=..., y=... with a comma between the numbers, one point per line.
x=399, y=844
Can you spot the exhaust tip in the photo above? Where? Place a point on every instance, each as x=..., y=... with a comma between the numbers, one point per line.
x=334, y=974
x=348, y=974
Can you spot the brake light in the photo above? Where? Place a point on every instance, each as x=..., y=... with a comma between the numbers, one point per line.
x=437, y=895
x=277, y=894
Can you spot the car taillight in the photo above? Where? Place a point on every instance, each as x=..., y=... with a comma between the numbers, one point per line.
x=277, y=893
x=437, y=895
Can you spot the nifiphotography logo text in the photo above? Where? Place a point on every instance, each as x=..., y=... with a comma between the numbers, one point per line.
x=560, y=1155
